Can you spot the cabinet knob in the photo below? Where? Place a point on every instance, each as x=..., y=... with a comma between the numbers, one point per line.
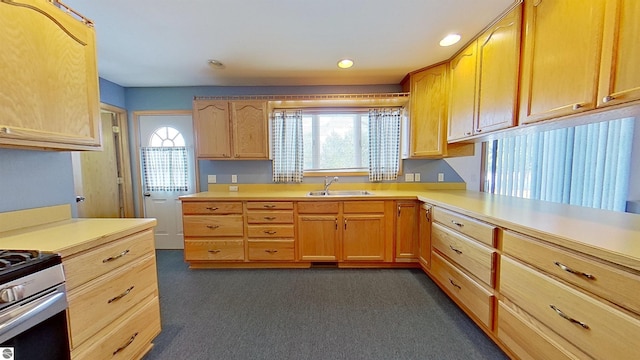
x=468, y=133
x=478, y=130
x=5, y=130
x=577, y=106
x=607, y=98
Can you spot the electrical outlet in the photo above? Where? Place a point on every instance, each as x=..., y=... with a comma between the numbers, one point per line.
x=416, y=177
x=408, y=177
x=234, y=179
x=440, y=177
x=233, y=188
x=211, y=179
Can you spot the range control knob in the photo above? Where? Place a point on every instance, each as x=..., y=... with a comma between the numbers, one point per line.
x=12, y=294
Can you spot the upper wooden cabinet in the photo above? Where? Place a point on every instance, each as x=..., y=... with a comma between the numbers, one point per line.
x=561, y=58
x=49, y=84
x=231, y=130
x=619, y=71
x=463, y=93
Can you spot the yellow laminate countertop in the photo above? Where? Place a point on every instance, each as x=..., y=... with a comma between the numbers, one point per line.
x=609, y=235
x=71, y=236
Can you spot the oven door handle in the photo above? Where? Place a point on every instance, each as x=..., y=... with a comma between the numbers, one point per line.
x=22, y=317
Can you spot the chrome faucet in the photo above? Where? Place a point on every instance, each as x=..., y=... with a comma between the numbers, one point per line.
x=328, y=182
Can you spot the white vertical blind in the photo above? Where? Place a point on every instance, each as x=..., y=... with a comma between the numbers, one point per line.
x=287, y=146
x=587, y=165
x=384, y=144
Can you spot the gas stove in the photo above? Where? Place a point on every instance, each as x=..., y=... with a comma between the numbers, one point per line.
x=18, y=263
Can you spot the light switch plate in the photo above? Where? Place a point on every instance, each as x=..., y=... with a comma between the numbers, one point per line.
x=211, y=179
x=416, y=177
x=233, y=187
x=440, y=177
x=234, y=179
x=408, y=177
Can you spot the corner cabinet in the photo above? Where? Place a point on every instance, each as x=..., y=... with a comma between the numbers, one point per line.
x=231, y=130
x=49, y=85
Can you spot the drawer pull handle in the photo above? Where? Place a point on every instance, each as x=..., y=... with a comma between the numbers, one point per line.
x=125, y=293
x=214, y=251
x=269, y=218
x=568, y=318
x=213, y=226
x=454, y=284
x=457, y=223
x=570, y=270
x=133, y=337
x=270, y=232
x=271, y=251
x=211, y=208
x=456, y=250
x=269, y=206
x=607, y=98
x=116, y=257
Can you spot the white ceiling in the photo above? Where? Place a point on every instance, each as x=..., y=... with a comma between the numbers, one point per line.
x=276, y=42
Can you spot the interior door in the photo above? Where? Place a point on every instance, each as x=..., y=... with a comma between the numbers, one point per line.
x=163, y=204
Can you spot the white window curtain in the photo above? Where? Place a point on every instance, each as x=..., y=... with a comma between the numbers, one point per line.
x=165, y=168
x=384, y=144
x=287, y=148
x=587, y=165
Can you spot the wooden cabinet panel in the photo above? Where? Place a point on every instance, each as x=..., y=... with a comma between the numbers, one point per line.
x=407, y=231
x=249, y=119
x=469, y=254
x=210, y=207
x=318, y=237
x=363, y=207
x=424, y=233
x=207, y=225
x=218, y=250
x=270, y=217
x=498, y=71
x=462, y=94
x=473, y=228
x=619, y=71
x=212, y=131
x=477, y=299
x=318, y=207
x=270, y=205
x=49, y=84
x=363, y=238
x=595, y=327
x=561, y=58
x=609, y=282
x=271, y=250
x=270, y=231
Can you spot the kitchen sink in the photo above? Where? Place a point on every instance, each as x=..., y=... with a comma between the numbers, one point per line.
x=339, y=193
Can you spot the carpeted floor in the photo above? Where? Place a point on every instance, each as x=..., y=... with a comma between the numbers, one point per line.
x=309, y=314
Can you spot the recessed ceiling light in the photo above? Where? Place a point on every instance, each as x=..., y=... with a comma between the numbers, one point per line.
x=215, y=63
x=345, y=63
x=450, y=40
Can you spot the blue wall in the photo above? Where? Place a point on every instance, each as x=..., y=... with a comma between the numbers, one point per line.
x=112, y=94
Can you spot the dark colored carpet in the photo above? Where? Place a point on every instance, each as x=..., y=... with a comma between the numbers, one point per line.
x=309, y=314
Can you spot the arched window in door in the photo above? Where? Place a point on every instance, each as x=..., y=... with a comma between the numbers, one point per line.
x=164, y=161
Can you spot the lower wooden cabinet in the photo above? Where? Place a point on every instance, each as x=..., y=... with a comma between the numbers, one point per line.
x=214, y=250
x=424, y=235
x=271, y=250
x=407, y=231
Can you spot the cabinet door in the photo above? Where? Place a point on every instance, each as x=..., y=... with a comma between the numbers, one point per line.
x=429, y=112
x=424, y=233
x=363, y=238
x=49, y=83
x=407, y=231
x=318, y=237
x=498, y=65
x=463, y=93
x=620, y=73
x=249, y=120
x=211, y=119
x=561, y=58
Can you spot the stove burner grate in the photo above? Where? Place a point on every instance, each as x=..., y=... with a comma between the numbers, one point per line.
x=9, y=258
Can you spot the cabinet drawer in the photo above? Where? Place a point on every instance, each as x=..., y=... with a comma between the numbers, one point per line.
x=478, y=230
x=270, y=217
x=478, y=259
x=208, y=207
x=270, y=205
x=274, y=250
x=223, y=250
x=473, y=296
x=363, y=207
x=593, y=326
x=96, y=305
x=128, y=338
x=614, y=284
x=528, y=339
x=201, y=225
x=318, y=207
x=270, y=231
x=99, y=261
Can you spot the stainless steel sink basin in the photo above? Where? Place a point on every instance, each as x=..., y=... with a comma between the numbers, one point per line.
x=339, y=193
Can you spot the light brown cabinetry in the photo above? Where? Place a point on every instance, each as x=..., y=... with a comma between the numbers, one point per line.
x=561, y=58
x=270, y=231
x=213, y=231
x=363, y=236
x=424, y=235
x=619, y=72
x=407, y=231
x=462, y=96
x=49, y=84
x=231, y=130
x=112, y=287
x=318, y=231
